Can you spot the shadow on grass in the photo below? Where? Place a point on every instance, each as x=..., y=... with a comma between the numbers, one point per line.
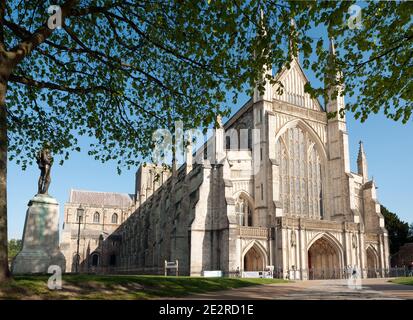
x=120, y=286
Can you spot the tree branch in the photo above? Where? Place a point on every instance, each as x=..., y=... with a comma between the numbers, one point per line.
x=120, y=64
x=76, y=90
x=2, y=13
x=23, y=33
x=407, y=38
x=94, y=9
x=117, y=36
x=25, y=47
x=155, y=43
x=55, y=86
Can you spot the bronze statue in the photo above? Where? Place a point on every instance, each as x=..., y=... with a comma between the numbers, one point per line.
x=44, y=161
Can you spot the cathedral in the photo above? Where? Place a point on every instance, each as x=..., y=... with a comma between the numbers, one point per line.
x=287, y=202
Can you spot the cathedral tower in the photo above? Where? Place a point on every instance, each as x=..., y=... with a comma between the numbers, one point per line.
x=339, y=160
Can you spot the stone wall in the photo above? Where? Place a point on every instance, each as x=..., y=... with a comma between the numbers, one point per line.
x=91, y=232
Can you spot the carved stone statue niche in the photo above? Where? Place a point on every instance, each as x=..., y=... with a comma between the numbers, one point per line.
x=44, y=161
x=354, y=241
x=293, y=238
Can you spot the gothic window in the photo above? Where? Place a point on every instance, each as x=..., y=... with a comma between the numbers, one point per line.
x=243, y=211
x=314, y=178
x=249, y=216
x=95, y=260
x=239, y=211
x=114, y=218
x=96, y=217
x=112, y=260
x=299, y=174
x=244, y=137
x=227, y=143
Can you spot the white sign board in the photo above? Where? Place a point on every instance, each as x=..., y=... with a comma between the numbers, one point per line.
x=213, y=273
x=171, y=265
x=251, y=274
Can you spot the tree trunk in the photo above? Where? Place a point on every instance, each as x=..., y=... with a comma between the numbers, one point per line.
x=4, y=264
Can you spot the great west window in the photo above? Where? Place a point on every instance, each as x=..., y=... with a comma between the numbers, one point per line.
x=301, y=169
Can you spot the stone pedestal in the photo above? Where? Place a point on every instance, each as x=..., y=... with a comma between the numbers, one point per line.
x=40, y=238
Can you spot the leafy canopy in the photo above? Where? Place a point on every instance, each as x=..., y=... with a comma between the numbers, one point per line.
x=118, y=70
x=398, y=230
x=14, y=247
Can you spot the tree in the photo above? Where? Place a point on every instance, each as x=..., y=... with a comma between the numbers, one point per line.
x=117, y=70
x=398, y=230
x=14, y=248
x=410, y=235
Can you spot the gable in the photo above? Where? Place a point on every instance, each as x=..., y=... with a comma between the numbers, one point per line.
x=293, y=80
x=105, y=199
x=243, y=121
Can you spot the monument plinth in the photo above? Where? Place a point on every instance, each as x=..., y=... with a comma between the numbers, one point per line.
x=40, y=238
x=41, y=228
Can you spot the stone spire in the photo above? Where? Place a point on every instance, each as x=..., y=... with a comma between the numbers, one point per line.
x=174, y=167
x=335, y=104
x=293, y=30
x=219, y=140
x=188, y=154
x=362, y=163
x=267, y=73
x=339, y=157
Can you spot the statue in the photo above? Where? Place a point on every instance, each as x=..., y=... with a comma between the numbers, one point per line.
x=354, y=241
x=44, y=161
x=40, y=248
x=293, y=238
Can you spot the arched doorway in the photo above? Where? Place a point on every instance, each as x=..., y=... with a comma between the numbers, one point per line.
x=254, y=259
x=372, y=264
x=95, y=259
x=324, y=260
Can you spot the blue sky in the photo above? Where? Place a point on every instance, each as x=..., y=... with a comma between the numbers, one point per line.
x=388, y=145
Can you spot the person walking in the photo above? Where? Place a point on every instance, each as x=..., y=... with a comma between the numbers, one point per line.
x=410, y=269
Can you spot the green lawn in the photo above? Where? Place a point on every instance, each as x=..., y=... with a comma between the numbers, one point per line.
x=403, y=280
x=120, y=286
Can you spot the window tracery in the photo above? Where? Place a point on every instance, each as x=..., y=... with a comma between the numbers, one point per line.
x=300, y=174
x=243, y=211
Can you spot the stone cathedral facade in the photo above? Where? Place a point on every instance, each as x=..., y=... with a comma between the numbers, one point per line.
x=288, y=200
